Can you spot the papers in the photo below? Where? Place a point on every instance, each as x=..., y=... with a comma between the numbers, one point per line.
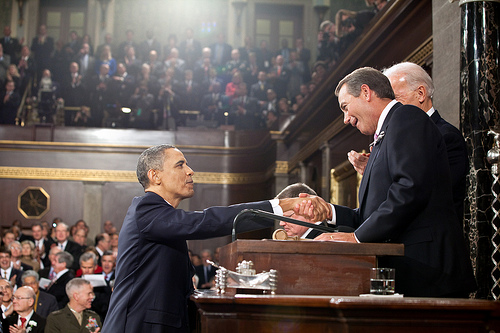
x=96, y=280
x=44, y=283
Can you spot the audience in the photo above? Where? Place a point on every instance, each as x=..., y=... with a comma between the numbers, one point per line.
x=24, y=318
x=45, y=302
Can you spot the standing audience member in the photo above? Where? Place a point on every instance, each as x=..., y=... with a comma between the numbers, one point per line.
x=42, y=246
x=190, y=49
x=63, y=242
x=45, y=303
x=61, y=263
x=11, y=45
x=15, y=256
x=9, y=103
x=205, y=272
x=25, y=319
x=75, y=316
x=42, y=47
x=88, y=264
x=48, y=272
x=7, y=270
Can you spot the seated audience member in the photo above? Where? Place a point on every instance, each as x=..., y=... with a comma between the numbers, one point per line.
x=103, y=294
x=205, y=271
x=63, y=242
x=81, y=224
x=24, y=318
x=109, y=227
x=48, y=271
x=63, y=274
x=294, y=230
x=177, y=64
x=6, y=295
x=142, y=103
x=106, y=58
x=232, y=86
x=131, y=62
x=45, y=303
x=214, y=104
x=80, y=237
x=80, y=294
x=7, y=269
x=113, y=243
x=88, y=264
x=9, y=103
x=155, y=64
x=28, y=255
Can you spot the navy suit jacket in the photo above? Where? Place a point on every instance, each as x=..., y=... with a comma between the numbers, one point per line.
x=458, y=160
x=405, y=197
x=46, y=304
x=153, y=270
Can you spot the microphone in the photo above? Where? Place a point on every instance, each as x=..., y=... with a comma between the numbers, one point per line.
x=263, y=214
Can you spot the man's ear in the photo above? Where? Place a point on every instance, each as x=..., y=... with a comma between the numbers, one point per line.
x=153, y=177
x=421, y=93
x=365, y=93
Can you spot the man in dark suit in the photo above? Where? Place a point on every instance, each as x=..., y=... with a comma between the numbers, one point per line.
x=63, y=275
x=405, y=193
x=412, y=85
x=45, y=302
x=103, y=293
x=65, y=244
x=24, y=316
x=190, y=49
x=221, y=51
x=42, y=46
x=205, y=271
x=11, y=45
x=42, y=246
x=76, y=316
x=153, y=266
x=245, y=110
x=7, y=270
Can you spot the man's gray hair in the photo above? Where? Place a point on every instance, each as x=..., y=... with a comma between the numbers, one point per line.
x=75, y=285
x=151, y=158
x=372, y=77
x=66, y=257
x=414, y=75
x=87, y=256
x=30, y=273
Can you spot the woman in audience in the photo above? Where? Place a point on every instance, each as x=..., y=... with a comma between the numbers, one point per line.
x=106, y=58
x=28, y=255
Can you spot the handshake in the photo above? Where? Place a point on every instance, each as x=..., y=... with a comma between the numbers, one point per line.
x=311, y=207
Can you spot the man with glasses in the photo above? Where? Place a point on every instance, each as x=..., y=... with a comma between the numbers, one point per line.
x=80, y=295
x=24, y=318
x=6, y=299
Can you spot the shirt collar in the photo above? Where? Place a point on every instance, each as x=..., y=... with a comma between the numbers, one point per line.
x=308, y=231
x=431, y=111
x=383, y=115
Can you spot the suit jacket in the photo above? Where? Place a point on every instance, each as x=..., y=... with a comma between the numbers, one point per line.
x=64, y=321
x=200, y=272
x=153, y=270
x=46, y=304
x=225, y=55
x=456, y=150
x=35, y=318
x=58, y=289
x=11, y=47
x=102, y=296
x=405, y=197
x=76, y=251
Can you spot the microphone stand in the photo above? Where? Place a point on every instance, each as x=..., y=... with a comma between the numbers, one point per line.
x=271, y=216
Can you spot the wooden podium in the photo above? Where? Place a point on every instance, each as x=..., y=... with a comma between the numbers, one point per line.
x=309, y=267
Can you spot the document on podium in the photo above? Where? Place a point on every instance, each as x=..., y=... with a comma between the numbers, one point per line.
x=96, y=280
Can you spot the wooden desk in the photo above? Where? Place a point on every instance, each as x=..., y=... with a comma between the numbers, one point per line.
x=316, y=314
x=311, y=268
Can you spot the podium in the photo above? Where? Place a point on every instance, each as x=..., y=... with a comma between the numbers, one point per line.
x=311, y=267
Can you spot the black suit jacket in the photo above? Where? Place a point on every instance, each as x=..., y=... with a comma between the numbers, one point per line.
x=405, y=197
x=11, y=47
x=58, y=288
x=35, y=318
x=76, y=251
x=102, y=297
x=153, y=271
x=200, y=272
x=456, y=150
x=46, y=304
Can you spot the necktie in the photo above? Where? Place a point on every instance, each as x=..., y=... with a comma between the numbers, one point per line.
x=106, y=277
x=5, y=274
x=23, y=321
x=61, y=246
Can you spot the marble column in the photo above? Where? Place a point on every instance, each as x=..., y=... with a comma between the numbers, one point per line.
x=480, y=112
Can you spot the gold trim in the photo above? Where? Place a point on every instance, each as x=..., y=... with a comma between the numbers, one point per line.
x=422, y=53
x=91, y=175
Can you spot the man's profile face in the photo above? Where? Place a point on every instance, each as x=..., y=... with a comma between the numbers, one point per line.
x=30, y=281
x=176, y=177
x=22, y=301
x=85, y=296
x=294, y=229
x=7, y=290
x=356, y=111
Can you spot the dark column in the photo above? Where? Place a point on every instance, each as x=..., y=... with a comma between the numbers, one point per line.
x=480, y=112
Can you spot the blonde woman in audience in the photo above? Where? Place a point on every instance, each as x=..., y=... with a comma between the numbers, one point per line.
x=28, y=255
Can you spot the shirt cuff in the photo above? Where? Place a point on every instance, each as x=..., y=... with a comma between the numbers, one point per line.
x=275, y=204
x=334, y=214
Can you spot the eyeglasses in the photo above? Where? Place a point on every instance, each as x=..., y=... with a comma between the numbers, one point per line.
x=18, y=297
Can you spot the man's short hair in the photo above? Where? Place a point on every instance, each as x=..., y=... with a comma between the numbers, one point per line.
x=414, y=76
x=373, y=78
x=87, y=256
x=66, y=257
x=98, y=238
x=151, y=158
x=64, y=225
x=74, y=285
x=293, y=191
x=107, y=253
x=4, y=249
x=30, y=273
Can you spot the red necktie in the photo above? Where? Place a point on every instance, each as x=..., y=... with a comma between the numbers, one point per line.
x=23, y=321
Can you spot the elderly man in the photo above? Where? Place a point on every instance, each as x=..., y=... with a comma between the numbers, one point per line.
x=412, y=85
x=75, y=317
x=45, y=303
x=153, y=266
x=61, y=263
x=405, y=193
x=6, y=298
x=65, y=244
x=24, y=319
x=88, y=264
